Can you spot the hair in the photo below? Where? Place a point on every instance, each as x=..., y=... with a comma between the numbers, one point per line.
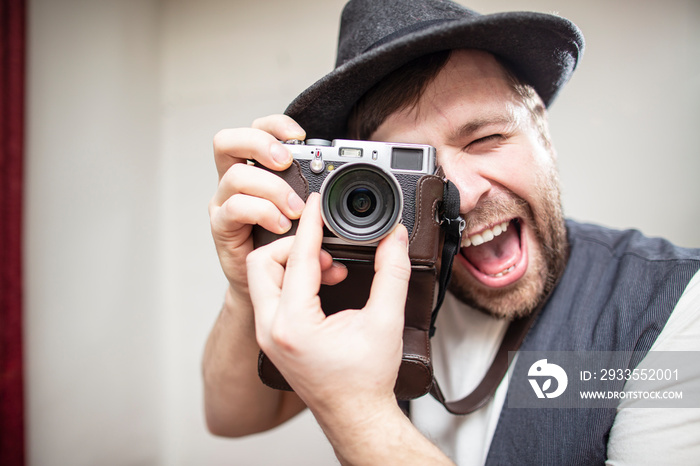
x=403, y=88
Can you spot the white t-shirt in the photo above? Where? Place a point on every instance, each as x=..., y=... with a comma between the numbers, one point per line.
x=462, y=351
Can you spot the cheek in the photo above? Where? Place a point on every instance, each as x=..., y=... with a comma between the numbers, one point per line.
x=516, y=168
x=523, y=166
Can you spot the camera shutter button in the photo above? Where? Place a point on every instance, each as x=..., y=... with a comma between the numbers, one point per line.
x=318, y=142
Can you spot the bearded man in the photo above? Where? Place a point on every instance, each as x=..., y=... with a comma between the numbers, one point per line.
x=476, y=88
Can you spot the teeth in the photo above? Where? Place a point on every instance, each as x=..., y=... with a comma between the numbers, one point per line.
x=484, y=237
x=505, y=272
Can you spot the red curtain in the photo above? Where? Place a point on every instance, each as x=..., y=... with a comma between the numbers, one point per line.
x=12, y=53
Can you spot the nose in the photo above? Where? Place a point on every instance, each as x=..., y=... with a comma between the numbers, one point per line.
x=472, y=185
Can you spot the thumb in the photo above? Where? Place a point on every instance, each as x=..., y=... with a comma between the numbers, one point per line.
x=392, y=268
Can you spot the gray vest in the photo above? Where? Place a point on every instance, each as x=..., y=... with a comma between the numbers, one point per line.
x=617, y=293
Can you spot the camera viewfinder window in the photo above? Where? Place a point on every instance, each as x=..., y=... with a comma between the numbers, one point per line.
x=406, y=159
x=350, y=152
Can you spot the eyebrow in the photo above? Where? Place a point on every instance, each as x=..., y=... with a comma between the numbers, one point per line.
x=473, y=126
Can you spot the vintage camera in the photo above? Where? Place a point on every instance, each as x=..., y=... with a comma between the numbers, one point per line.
x=366, y=187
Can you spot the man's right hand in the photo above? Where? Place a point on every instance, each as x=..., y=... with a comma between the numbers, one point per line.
x=248, y=195
x=236, y=401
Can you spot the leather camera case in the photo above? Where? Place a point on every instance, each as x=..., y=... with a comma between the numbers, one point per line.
x=425, y=245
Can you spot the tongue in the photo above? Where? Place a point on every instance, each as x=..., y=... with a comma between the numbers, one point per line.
x=498, y=254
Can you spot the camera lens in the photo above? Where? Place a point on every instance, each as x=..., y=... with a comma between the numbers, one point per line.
x=361, y=203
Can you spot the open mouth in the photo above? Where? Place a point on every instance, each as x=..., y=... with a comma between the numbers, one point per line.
x=496, y=256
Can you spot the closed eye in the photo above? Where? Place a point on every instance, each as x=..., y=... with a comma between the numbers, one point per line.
x=486, y=143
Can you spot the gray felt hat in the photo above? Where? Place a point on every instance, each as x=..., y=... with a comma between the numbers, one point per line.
x=378, y=36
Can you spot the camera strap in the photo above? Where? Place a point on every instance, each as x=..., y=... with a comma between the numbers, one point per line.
x=514, y=336
x=453, y=225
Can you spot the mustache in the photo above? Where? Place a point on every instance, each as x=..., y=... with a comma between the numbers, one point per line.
x=494, y=209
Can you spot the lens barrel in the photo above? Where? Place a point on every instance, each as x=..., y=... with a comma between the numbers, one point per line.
x=361, y=203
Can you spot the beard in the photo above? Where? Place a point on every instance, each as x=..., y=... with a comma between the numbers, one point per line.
x=547, y=259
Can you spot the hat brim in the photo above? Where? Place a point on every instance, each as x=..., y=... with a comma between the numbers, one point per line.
x=541, y=49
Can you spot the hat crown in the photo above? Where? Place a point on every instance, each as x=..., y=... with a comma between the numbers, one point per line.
x=377, y=37
x=366, y=24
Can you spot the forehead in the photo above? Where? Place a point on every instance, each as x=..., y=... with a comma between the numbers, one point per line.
x=471, y=72
x=472, y=85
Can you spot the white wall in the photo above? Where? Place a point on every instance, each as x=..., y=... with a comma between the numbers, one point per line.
x=123, y=282
x=92, y=305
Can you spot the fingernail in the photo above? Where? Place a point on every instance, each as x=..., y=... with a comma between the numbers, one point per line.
x=296, y=131
x=295, y=202
x=402, y=235
x=338, y=265
x=285, y=223
x=280, y=154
